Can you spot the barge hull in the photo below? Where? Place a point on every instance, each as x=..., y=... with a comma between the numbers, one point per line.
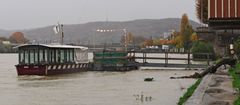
x=44, y=70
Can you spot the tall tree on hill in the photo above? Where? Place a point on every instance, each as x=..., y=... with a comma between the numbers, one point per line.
x=186, y=31
x=184, y=23
x=18, y=38
x=157, y=42
x=148, y=42
x=202, y=10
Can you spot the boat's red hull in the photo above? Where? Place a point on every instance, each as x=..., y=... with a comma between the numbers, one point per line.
x=51, y=69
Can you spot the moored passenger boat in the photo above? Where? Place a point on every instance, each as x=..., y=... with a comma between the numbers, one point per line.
x=43, y=59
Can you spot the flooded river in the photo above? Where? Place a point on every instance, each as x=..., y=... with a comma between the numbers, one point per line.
x=90, y=88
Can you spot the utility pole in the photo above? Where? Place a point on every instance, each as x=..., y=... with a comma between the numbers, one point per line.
x=62, y=34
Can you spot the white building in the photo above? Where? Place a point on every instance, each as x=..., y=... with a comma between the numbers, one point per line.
x=6, y=42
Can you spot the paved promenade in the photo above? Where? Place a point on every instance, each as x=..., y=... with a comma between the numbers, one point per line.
x=215, y=89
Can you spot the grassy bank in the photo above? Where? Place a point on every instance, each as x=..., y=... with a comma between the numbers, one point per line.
x=189, y=92
x=235, y=73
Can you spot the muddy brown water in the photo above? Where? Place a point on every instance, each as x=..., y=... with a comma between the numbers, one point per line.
x=90, y=88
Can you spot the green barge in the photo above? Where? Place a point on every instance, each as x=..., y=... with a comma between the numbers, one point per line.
x=113, y=61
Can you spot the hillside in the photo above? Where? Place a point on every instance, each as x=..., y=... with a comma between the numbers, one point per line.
x=86, y=33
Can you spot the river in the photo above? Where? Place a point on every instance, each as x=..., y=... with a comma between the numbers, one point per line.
x=90, y=88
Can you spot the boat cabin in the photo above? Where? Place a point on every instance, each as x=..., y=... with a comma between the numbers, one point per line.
x=51, y=54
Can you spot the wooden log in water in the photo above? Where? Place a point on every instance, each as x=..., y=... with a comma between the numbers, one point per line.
x=210, y=69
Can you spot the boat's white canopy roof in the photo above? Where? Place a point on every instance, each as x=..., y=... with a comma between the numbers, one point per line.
x=53, y=46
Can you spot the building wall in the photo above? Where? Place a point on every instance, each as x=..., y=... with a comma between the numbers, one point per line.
x=225, y=6
x=224, y=9
x=238, y=9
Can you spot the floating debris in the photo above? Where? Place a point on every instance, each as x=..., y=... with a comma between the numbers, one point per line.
x=148, y=79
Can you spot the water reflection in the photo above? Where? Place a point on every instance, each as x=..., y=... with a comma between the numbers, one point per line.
x=28, y=81
x=143, y=98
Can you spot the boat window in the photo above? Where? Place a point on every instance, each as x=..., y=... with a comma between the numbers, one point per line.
x=71, y=55
x=41, y=59
x=47, y=56
x=32, y=57
x=21, y=57
x=67, y=55
x=26, y=57
x=62, y=56
x=58, y=55
x=55, y=55
x=52, y=55
x=36, y=56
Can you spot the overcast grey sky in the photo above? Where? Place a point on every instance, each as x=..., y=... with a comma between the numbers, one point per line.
x=25, y=14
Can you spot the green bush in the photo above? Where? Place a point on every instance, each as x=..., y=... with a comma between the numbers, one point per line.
x=237, y=47
x=202, y=47
x=189, y=92
x=236, y=81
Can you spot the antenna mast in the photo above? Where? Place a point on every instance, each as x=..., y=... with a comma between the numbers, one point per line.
x=62, y=34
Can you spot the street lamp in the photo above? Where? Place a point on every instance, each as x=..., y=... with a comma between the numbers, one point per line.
x=231, y=47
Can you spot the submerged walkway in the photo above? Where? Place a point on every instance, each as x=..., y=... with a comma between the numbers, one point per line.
x=215, y=89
